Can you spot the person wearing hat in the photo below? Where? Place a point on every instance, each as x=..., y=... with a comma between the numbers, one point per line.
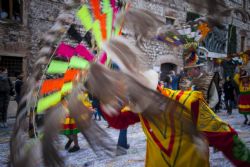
x=200, y=80
x=242, y=79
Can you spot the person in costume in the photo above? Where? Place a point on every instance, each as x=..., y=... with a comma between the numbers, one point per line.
x=169, y=147
x=200, y=80
x=242, y=80
x=70, y=130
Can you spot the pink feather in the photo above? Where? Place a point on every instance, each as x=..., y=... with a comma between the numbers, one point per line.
x=103, y=58
x=65, y=50
x=82, y=51
x=112, y=4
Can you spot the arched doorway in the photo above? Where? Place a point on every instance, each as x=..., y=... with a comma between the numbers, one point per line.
x=165, y=68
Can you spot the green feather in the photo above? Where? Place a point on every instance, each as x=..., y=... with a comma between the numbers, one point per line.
x=84, y=15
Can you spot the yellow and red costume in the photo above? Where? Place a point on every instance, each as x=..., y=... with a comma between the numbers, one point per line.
x=244, y=96
x=168, y=146
x=69, y=125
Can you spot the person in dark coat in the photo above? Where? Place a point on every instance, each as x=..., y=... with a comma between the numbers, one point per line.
x=229, y=94
x=96, y=107
x=6, y=90
x=18, y=87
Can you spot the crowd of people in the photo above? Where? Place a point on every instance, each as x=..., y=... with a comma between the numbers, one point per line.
x=220, y=93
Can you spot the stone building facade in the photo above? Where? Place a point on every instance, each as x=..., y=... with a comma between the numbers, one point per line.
x=14, y=37
x=177, y=11
x=19, y=39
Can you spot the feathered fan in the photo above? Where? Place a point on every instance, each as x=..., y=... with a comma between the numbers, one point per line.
x=52, y=81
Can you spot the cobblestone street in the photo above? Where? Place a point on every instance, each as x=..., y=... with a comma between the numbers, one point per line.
x=136, y=154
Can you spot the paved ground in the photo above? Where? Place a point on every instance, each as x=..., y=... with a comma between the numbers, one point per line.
x=12, y=109
x=136, y=153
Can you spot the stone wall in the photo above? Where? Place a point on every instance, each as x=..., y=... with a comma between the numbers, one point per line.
x=14, y=40
x=22, y=39
x=14, y=36
x=42, y=15
x=159, y=53
x=39, y=15
x=178, y=9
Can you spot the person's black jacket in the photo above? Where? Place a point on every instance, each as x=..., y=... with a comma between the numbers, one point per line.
x=18, y=86
x=229, y=90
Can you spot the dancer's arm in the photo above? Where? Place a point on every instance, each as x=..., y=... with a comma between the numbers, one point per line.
x=122, y=120
x=220, y=134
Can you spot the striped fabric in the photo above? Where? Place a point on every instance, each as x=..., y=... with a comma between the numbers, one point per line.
x=244, y=104
x=244, y=97
x=69, y=126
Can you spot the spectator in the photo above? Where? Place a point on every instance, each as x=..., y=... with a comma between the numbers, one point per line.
x=168, y=81
x=229, y=95
x=175, y=80
x=3, y=15
x=217, y=80
x=6, y=90
x=122, y=143
x=18, y=86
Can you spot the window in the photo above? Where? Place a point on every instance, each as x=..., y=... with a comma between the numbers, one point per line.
x=11, y=10
x=192, y=16
x=237, y=1
x=244, y=4
x=242, y=43
x=13, y=64
x=170, y=20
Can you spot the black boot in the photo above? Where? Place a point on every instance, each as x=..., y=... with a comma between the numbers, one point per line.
x=67, y=145
x=74, y=149
x=246, y=120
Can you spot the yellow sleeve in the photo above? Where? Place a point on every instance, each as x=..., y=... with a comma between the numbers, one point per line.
x=125, y=109
x=237, y=79
x=208, y=121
